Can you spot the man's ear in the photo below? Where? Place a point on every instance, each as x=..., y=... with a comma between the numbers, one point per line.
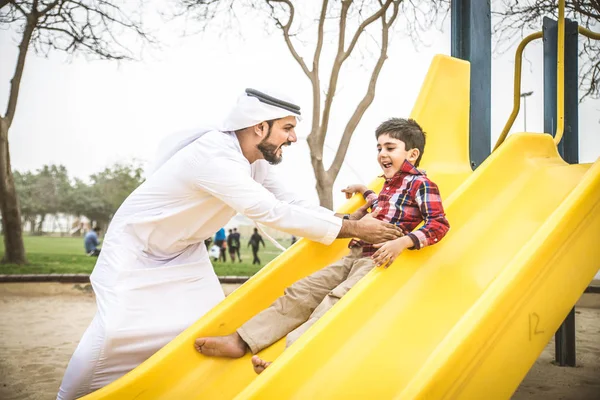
x=259, y=129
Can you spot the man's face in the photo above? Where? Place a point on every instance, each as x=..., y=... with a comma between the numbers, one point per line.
x=280, y=134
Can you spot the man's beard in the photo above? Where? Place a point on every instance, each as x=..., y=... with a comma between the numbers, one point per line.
x=269, y=150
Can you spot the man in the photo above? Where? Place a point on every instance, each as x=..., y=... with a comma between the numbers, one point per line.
x=220, y=241
x=230, y=245
x=255, y=241
x=91, y=242
x=236, y=244
x=154, y=278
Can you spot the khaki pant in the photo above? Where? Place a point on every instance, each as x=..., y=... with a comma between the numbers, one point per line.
x=305, y=302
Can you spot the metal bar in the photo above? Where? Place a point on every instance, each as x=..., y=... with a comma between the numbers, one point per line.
x=565, y=346
x=550, y=37
x=588, y=33
x=560, y=74
x=569, y=146
x=471, y=41
x=517, y=86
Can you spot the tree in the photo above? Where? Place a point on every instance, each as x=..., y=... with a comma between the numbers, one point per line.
x=31, y=206
x=95, y=28
x=108, y=191
x=517, y=17
x=346, y=24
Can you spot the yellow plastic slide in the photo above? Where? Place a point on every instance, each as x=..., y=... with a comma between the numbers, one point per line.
x=465, y=318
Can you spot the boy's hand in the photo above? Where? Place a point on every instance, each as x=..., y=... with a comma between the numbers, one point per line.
x=390, y=250
x=361, y=212
x=352, y=189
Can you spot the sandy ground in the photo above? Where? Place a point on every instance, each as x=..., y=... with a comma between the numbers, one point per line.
x=41, y=324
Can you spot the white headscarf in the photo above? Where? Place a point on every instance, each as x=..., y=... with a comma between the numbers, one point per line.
x=252, y=107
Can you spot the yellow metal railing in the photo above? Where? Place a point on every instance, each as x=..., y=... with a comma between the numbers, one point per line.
x=560, y=76
x=588, y=33
x=517, y=86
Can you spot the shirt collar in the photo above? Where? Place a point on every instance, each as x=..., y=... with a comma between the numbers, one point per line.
x=406, y=169
x=236, y=141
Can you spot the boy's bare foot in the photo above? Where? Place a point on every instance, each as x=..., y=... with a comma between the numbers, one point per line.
x=259, y=364
x=230, y=346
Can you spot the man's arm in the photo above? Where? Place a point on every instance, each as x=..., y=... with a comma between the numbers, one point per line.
x=370, y=230
x=242, y=193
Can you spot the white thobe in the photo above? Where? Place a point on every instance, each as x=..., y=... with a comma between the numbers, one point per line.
x=153, y=278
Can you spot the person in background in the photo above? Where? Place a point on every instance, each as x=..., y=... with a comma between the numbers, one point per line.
x=236, y=244
x=255, y=241
x=294, y=239
x=91, y=242
x=230, y=245
x=220, y=242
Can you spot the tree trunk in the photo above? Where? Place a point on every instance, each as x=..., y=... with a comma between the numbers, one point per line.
x=9, y=205
x=324, y=183
x=40, y=228
x=324, y=188
x=325, y=195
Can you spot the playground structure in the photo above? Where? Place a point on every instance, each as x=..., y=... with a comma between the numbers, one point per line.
x=466, y=318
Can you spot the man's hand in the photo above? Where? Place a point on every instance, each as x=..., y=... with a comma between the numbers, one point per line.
x=389, y=251
x=370, y=230
x=352, y=189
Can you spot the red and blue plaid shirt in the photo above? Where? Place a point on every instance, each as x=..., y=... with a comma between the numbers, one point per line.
x=406, y=200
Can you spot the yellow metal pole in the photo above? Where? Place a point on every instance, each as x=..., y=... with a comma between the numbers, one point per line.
x=517, y=86
x=560, y=74
x=588, y=33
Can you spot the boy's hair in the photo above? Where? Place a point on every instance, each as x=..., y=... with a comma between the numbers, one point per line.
x=406, y=130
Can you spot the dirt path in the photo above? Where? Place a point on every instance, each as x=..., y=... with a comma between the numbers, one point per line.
x=42, y=324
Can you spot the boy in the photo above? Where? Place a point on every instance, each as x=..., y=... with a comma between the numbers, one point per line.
x=408, y=198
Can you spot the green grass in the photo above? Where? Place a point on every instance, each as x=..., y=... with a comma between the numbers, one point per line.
x=56, y=255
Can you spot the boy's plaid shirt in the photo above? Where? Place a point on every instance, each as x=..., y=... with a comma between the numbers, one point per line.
x=406, y=200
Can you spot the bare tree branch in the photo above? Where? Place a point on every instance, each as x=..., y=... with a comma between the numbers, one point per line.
x=333, y=80
x=49, y=7
x=360, y=15
x=286, y=33
x=369, y=96
x=15, y=82
x=365, y=24
x=18, y=7
x=316, y=83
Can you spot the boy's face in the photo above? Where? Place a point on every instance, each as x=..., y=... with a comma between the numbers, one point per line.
x=392, y=153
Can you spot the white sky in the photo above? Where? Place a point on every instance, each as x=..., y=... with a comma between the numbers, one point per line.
x=90, y=114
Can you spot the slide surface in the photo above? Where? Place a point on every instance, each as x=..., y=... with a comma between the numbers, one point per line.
x=465, y=318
